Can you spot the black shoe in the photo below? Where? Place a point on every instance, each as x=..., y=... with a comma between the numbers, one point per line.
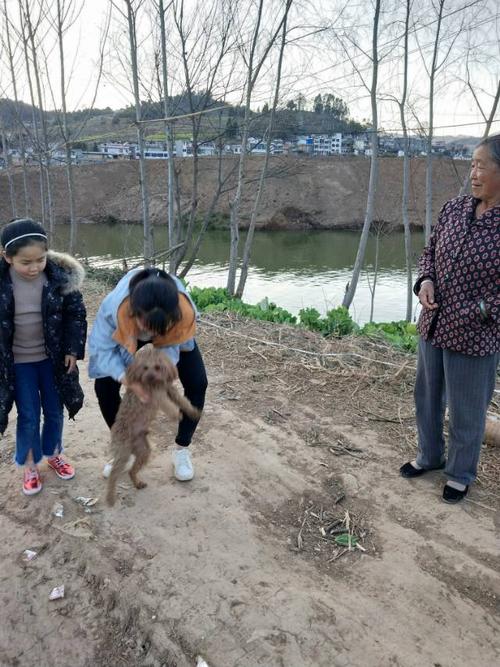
x=409, y=471
x=453, y=496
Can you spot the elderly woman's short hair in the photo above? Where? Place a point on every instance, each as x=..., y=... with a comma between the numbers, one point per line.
x=493, y=145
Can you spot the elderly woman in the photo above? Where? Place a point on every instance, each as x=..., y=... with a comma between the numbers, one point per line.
x=459, y=289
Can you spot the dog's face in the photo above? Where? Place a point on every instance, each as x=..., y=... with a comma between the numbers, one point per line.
x=151, y=368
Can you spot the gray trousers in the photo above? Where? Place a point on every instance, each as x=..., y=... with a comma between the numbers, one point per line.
x=464, y=383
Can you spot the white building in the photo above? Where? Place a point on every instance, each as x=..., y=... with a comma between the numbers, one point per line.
x=256, y=146
x=116, y=149
x=208, y=148
x=327, y=144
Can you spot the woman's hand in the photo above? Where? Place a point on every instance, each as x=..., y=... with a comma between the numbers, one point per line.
x=426, y=295
x=70, y=363
x=138, y=390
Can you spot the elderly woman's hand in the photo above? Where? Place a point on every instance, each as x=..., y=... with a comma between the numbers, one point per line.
x=426, y=295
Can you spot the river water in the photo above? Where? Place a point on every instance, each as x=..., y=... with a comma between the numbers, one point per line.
x=293, y=269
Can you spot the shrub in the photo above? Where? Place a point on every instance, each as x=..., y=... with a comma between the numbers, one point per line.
x=337, y=321
x=400, y=334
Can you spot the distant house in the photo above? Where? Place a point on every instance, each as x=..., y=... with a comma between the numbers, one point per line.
x=208, y=148
x=327, y=144
x=233, y=149
x=94, y=156
x=256, y=146
x=118, y=150
x=277, y=147
x=183, y=148
x=305, y=145
x=155, y=154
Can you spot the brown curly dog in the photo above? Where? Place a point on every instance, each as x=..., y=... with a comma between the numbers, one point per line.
x=152, y=373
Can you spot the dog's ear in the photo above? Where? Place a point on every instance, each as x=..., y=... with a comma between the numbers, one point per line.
x=169, y=369
x=134, y=372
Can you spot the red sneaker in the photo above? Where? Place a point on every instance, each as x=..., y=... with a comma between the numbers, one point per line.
x=61, y=468
x=32, y=482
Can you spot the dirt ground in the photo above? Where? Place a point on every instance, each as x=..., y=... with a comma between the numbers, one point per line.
x=301, y=439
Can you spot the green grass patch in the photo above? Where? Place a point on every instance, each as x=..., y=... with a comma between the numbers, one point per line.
x=217, y=300
x=337, y=322
x=402, y=335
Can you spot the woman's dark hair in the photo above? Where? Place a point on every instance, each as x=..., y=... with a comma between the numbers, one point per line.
x=493, y=145
x=20, y=233
x=154, y=298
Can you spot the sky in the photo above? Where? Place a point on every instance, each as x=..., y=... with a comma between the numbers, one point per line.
x=318, y=62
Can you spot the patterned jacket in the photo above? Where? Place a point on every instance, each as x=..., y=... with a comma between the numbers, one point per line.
x=463, y=261
x=64, y=327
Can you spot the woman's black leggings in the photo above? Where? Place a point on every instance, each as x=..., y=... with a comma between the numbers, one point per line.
x=193, y=378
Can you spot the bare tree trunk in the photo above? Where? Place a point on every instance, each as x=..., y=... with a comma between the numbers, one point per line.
x=251, y=229
x=65, y=130
x=26, y=192
x=169, y=140
x=43, y=123
x=375, y=273
x=372, y=187
x=147, y=228
x=10, y=56
x=406, y=173
x=8, y=169
x=36, y=133
x=208, y=214
x=45, y=159
x=199, y=103
x=206, y=221
x=236, y=202
x=430, y=133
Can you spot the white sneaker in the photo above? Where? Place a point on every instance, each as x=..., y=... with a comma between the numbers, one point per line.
x=108, y=467
x=182, y=464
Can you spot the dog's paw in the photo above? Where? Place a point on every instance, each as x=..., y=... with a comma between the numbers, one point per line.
x=139, y=484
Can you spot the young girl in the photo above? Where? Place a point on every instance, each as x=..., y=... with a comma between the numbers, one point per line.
x=147, y=306
x=43, y=331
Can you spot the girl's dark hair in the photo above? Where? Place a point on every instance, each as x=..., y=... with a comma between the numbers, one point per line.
x=20, y=233
x=154, y=298
x=493, y=145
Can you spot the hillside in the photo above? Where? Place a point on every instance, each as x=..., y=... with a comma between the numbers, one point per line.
x=301, y=193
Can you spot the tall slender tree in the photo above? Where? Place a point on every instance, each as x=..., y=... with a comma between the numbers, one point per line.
x=406, y=169
x=254, y=60
x=372, y=186
x=131, y=12
x=268, y=139
x=430, y=129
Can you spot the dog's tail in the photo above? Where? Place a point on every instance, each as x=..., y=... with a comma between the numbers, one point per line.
x=184, y=404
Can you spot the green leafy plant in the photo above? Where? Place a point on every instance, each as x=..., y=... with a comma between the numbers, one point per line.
x=217, y=299
x=400, y=334
x=337, y=321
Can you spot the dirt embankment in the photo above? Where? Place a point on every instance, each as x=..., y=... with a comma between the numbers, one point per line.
x=301, y=437
x=301, y=193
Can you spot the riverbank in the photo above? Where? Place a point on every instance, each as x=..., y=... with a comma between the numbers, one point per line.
x=299, y=432
x=300, y=193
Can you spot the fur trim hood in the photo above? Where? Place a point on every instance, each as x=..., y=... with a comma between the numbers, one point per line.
x=72, y=271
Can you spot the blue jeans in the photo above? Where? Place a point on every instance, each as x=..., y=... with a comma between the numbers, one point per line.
x=34, y=391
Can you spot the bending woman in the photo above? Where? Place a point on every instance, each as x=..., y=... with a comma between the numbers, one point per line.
x=148, y=306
